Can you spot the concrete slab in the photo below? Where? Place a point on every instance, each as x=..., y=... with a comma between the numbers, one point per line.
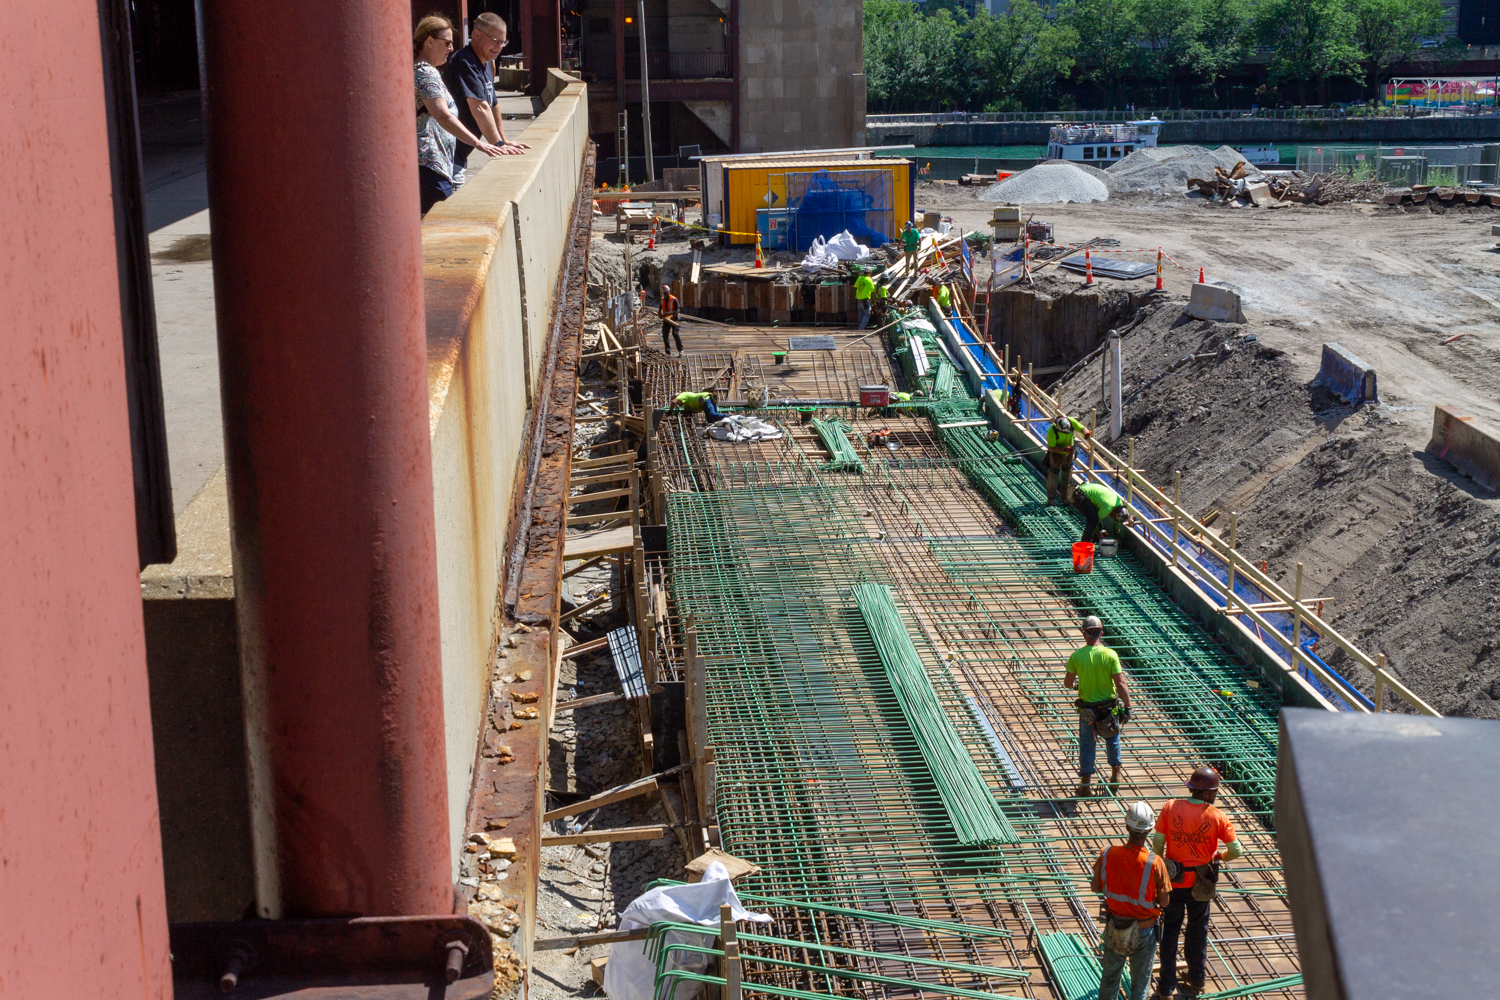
x=1215, y=303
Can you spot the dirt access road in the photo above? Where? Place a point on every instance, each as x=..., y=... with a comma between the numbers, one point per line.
x=1387, y=284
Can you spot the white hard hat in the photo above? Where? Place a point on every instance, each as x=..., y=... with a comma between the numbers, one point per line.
x=1140, y=818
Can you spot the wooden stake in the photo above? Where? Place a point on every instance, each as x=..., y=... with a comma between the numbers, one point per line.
x=1234, y=517
x=1130, y=476
x=1379, y=682
x=1297, y=612
x=1176, y=510
x=732, y=971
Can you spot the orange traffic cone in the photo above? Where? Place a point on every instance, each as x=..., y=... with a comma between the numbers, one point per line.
x=1200, y=276
x=759, y=260
x=651, y=243
x=1158, y=269
x=1088, y=267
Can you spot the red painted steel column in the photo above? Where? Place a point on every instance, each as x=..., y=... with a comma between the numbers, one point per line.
x=318, y=286
x=543, y=42
x=82, y=909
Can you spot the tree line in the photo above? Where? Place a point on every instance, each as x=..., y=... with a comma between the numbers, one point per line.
x=938, y=56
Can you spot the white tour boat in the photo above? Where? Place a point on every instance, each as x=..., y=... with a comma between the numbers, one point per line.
x=1101, y=145
x=1261, y=156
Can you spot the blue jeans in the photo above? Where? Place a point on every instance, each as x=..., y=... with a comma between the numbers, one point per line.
x=1140, y=968
x=711, y=412
x=1086, y=751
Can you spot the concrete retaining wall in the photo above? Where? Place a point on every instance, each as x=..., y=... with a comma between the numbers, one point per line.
x=1472, y=450
x=1212, y=132
x=493, y=255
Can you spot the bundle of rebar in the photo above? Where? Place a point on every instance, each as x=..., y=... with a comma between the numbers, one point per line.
x=971, y=806
x=1075, y=968
x=833, y=434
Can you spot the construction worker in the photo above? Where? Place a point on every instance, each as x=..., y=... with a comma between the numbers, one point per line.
x=1188, y=834
x=699, y=402
x=944, y=299
x=911, y=242
x=671, y=326
x=1096, y=504
x=1133, y=880
x=864, y=287
x=1060, y=452
x=1103, y=703
x=882, y=302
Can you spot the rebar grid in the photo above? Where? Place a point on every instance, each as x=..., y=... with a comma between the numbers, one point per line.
x=819, y=778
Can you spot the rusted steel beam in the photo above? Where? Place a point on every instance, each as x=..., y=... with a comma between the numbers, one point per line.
x=322, y=356
x=507, y=793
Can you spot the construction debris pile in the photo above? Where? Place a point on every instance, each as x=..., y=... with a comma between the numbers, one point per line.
x=1168, y=169
x=1248, y=187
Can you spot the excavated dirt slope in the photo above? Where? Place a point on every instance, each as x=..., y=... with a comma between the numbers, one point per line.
x=1406, y=550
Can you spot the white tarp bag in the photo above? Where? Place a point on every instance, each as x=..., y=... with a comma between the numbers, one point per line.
x=630, y=975
x=819, y=257
x=845, y=247
x=742, y=428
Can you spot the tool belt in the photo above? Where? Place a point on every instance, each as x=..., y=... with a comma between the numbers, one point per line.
x=1122, y=935
x=1100, y=716
x=1205, y=885
x=1060, y=458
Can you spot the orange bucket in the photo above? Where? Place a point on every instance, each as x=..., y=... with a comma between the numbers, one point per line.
x=1083, y=557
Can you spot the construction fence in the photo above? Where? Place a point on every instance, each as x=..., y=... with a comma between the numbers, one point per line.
x=821, y=203
x=1476, y=165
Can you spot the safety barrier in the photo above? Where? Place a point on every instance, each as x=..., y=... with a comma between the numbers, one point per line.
x=1346, y=376
x=1470, y=450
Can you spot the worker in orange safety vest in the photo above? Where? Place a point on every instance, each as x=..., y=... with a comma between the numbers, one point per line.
x=1132, y=877
x=1188, y=834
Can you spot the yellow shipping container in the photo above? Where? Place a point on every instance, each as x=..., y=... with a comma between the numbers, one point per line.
x=758, y=184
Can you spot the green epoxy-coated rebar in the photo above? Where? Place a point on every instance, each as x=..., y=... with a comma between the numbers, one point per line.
x=1075, y=968
x=835, y=438
x=971, y=806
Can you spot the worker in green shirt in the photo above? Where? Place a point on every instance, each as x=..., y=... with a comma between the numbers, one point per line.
x=699, y=402
x=1103, y=703
x=1097, y=503
x=1060, y=453
x=911, y=240
x=864, y=287
x=944, y=298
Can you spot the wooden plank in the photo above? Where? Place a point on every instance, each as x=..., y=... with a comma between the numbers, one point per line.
x=590, y=463
x=964, y=423
x=583, y=609
x=602, y=495
x=606, y=477
x=578, y=519
x=593, y=699
x=617, y=794
x=616, y=836
x=587, y=940
x=582, y=566
x=584, y=647
x=596, y=543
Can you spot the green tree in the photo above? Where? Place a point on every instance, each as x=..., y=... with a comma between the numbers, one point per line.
x=1223, y=43
x=1018, y=57
x=1107, y=31
x=1390, y=31
x=1309, y=40
x=1172, y=31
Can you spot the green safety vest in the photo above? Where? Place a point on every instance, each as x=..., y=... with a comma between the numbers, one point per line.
x=692, y=401
x=1060, y=439
x=864, y=287
x=1102, y=497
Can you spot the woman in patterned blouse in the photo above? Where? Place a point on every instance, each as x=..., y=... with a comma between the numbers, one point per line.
x=437, y=115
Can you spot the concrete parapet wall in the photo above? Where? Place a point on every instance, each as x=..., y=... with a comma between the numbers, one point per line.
x=493, y=254
x=1472, y=450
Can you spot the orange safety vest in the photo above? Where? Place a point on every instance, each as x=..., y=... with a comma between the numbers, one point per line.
x=1127, y=882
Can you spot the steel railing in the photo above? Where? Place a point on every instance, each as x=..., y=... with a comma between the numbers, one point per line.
x=1177, y=115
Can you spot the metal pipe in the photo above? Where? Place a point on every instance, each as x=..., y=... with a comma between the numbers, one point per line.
x=318, y=290
x=645, y=94
x=1116, y=408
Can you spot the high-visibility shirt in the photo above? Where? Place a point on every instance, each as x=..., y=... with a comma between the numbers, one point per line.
x=943, y=297
x=1193, y=831
x=1095, y=667
x=692, y=401
x=881, y=291
x=1134, y=878
x=1062, y=439
x=864, y=287
x=1101, y=496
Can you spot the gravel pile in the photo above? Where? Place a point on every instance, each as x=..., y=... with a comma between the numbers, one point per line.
x=1049, y=183
x=1167, y=169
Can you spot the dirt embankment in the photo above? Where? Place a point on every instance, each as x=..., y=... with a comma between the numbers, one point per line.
x=1406, y=551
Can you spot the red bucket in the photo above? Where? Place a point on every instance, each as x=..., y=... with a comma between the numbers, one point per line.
x=1083, y=557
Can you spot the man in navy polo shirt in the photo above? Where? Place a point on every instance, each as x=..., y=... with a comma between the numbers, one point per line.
x=471, y=80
